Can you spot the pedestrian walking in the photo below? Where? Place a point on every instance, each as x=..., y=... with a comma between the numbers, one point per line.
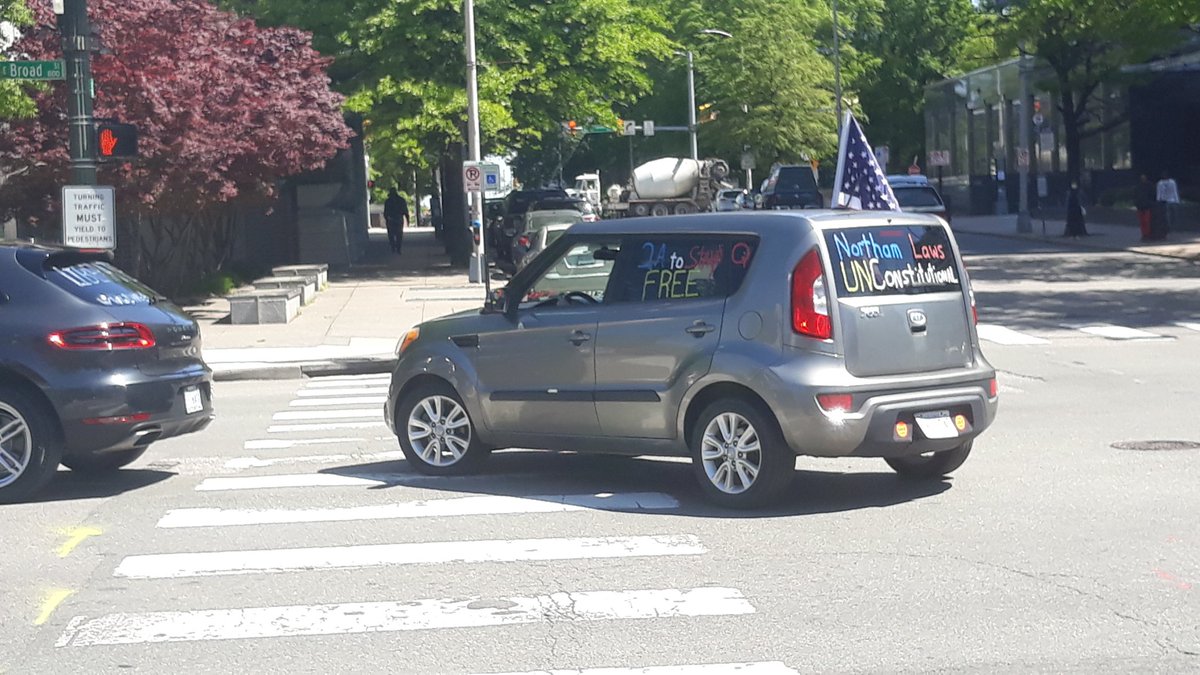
x=395, y=213
x=1144, y=200
x=1167, y=192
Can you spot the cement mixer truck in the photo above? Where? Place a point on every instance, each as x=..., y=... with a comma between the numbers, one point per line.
x=671, y=185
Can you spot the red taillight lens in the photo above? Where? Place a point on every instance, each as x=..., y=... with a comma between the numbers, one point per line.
x=120, y=419
x=523, y=241
x=106, y=337
x=993, y=388
x=810, y=305
x=832, y=402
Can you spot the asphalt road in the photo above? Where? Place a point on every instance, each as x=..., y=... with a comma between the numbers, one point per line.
x=273, y=542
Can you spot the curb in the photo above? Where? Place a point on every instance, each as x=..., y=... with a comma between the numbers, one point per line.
x=297, y=371
x=1066, y=242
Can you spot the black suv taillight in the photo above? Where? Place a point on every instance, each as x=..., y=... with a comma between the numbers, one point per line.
x=810, y=302
x=106, y=337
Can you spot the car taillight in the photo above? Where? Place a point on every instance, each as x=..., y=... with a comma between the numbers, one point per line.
x=835, y=402
x=810, y=304
x=523, y=241
x=106, y=337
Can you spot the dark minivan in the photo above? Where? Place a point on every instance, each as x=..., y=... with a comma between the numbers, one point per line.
x=791, y=186
x=94, y=367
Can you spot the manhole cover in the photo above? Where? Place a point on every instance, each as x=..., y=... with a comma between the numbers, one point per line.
x=1157, y=445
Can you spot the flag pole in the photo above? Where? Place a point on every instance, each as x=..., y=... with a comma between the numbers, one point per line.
x=841, y=163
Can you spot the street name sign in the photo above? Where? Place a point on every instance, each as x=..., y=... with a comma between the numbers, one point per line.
x=89, y=219
x=33, y=70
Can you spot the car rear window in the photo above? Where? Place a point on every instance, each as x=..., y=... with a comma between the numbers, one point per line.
x=681, y=267
x=895, y=260
x=796, y=178
x=916, y=196
x=100, y=283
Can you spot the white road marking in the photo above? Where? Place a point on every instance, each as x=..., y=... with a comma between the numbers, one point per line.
x=434, y=508
x=1112, y=332
x=349, y=381
x=218, y=563
x=318, y=393
x=759, y=668
x=378, y=617
x=273, y=444
x=346, y=400
x=296, y=480
x=242, y=463
x=289, y=428
x=1006, y=336
x=1189, y=325
x=360, y=413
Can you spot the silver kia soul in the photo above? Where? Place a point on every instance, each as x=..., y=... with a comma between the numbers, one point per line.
x=739, y=339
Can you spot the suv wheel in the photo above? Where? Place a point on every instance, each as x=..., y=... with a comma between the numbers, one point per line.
x=102, y=462
x=931, y=466
x=739, y=455
x=436, y=432
x=30, y=447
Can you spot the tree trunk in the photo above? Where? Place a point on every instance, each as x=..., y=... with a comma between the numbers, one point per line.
x=1072, y=115
x=454, y=207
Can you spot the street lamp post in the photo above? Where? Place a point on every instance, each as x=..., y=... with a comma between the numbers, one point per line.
x=837, y=67
x=691, y=66
x=76, y=39
x=1024, y=146
x=476, y=199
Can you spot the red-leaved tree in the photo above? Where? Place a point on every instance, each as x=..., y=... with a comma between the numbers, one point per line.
x=224, y=110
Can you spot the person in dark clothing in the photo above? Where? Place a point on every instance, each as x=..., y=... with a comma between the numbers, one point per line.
x=395, y=213
x=1144, y=200
x=1075, y=223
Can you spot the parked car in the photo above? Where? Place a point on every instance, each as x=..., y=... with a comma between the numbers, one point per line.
x=740, y=340
x=543, y=232
x=917, y=195
x=728, y=200
x=791, y=186
x=94, y=367
x=584, y=207
x=515, y=205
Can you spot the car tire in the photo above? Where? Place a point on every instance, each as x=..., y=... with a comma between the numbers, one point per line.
x=444, y=446
x=722, y=424
x=32, y=451
x=930, y=467
x=103, y=462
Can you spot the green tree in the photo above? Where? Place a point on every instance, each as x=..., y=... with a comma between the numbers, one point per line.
x=13, y=100
x=899, y=47
x=1084, y=44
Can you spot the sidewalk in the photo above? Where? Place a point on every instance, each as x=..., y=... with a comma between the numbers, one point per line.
x=1181, y=244
x=353, y=326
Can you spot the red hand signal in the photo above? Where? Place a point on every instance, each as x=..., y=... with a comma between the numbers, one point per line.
x=108, y=142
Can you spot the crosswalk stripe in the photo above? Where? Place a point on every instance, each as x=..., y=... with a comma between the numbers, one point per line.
x=759, y=668
x=1112, y=332
x=435, y=508
x=329, y=383
x=1006, y=336
x=392, y=616
x=328, y=426
x=321, y=393
x=181, y=565
x=297, y=480
x=361, y=413
x=347, y=400
x=241, y=463
x=1189, y=325
x=281, y=444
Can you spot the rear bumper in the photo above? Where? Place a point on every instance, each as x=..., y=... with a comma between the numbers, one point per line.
x=154, y=404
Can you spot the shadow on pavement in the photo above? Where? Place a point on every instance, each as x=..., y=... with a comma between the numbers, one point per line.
x=68, y=485
x=1134, y=308
x=532, y=474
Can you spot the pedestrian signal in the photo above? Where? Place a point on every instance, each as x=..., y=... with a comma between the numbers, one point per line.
x=116, y=141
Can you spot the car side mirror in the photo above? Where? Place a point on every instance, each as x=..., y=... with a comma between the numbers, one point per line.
x=495, y=301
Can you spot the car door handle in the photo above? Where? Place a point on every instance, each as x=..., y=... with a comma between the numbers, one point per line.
x=700, y=329
x=579, y=337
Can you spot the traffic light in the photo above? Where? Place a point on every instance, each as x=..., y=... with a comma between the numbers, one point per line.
x=115, y=140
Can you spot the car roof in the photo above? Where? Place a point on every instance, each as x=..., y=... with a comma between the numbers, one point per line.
x=756, y=222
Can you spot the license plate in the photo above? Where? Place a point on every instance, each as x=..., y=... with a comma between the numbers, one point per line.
x=936, y=424
x=192, y=402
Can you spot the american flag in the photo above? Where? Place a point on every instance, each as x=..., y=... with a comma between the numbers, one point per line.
x=860, y=182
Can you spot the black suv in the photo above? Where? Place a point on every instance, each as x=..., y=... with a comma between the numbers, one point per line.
x=791, y=186
x=515, y=205
x=94, y=367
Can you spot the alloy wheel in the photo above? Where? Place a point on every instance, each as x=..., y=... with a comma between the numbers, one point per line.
x=439, y=430
x=16, y=445
x=731, y=453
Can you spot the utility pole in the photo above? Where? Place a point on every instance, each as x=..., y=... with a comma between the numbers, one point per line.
x=1024, y=146
x=476, y=199
x=692, y=104
x=76, y=33
x=837, y=67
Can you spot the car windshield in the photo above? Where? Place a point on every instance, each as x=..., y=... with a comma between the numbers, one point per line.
x=916, y=196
